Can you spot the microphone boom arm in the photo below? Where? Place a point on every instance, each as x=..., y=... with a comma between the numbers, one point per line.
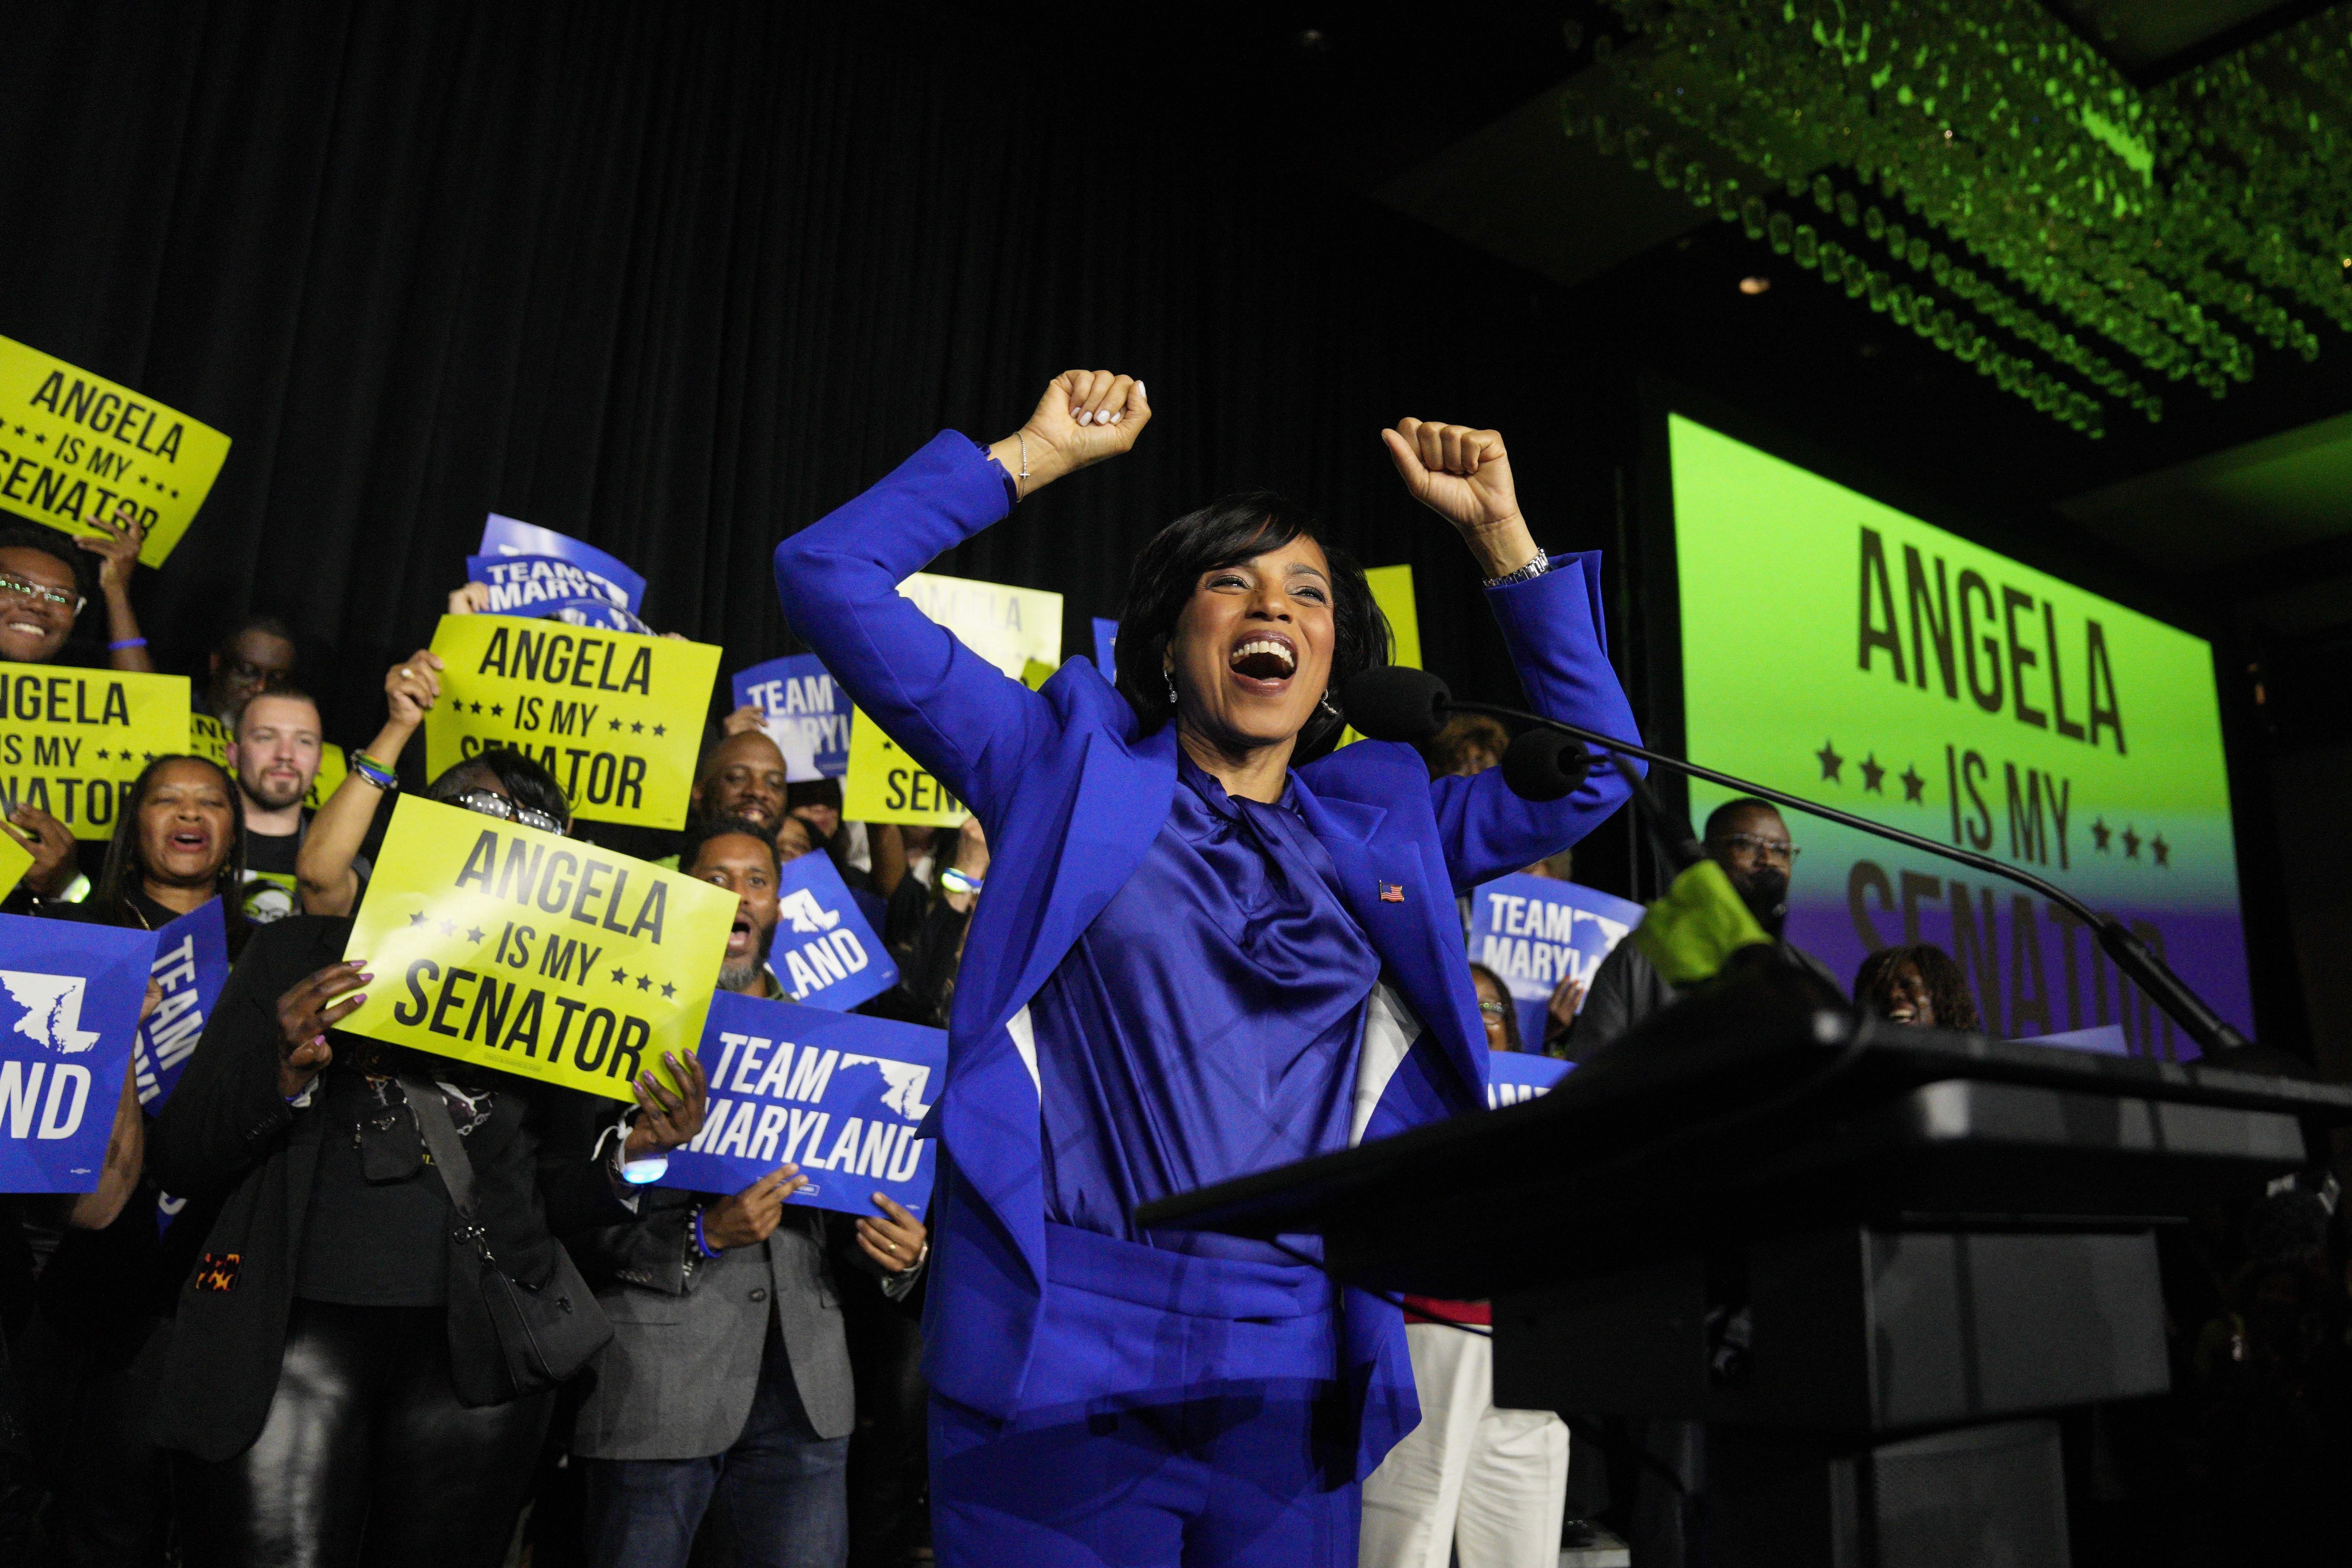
x=2133, y=957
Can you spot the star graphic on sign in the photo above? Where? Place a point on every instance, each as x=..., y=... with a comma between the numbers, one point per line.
x=620, y=976
x=1874, y=776
x=417, y=919
x=668, y=991
x=645, y=981
x=478, y=708
x=448, y=927
x=661, y=728
x=637, y=728
x=1914, y=788
x=38, y=437
x=616, y=725
x=1830, y=762
x=2131, y=845
x=102, y=753
x=149, y=755
x=2163, y=850
x=176, y=495
x=474, y=933
x=2100, y=834
x=497, y=709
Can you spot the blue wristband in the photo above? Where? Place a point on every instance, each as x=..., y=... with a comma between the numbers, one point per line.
x=702, y=1243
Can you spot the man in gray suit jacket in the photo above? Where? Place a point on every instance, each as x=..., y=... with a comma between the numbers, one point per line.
x=727, y=1375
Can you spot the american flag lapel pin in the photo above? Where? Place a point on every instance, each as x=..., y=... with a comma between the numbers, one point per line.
x=1391, y=892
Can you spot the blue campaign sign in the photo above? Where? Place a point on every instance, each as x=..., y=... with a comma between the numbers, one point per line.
x=836, y=1094
x=808, y=718
x=539, y=586
x=70, y=998
x=1105, y=639
x=1535, y=932
x=507, y=536
x=826, y=953
x=191, y=963
x=1515, y=1075
x=2106, y=1039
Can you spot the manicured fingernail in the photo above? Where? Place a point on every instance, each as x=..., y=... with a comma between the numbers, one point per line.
x=1085, y=417
x=357, y=962
x=360, y=998
x=1116, y=417
x=1141, y=389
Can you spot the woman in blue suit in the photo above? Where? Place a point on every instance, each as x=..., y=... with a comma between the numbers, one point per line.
x=1205, y=947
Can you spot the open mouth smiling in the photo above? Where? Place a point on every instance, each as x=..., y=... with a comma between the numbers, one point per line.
x=1265, y=661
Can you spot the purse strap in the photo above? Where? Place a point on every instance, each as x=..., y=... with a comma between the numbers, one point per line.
x=441, y=1139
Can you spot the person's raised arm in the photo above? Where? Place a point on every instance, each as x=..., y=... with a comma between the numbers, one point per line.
x=118, y=558
x=323, y=865
x=839, y=578
x=1550, y=608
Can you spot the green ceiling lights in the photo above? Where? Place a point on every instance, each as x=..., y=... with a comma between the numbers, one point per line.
x=1981, y=175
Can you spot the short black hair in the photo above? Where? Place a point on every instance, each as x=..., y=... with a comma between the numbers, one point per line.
x=1227, y=532
x=270, y=625
x=701, y=830
x=235, y=723
x=1731, y=808
x=1948, y=985
x=529, y=784
x=52, y=543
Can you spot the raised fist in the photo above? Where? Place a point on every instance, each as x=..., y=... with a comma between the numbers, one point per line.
x=1085, y=417
x=1461, y=473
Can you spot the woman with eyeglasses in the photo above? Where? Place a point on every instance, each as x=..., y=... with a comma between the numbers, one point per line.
x=334, y=1392
x=91, y=1353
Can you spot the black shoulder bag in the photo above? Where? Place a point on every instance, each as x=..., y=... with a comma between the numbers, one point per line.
x=545, y=1332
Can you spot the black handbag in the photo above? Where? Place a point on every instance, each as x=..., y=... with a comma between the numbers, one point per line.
x=547, y=1331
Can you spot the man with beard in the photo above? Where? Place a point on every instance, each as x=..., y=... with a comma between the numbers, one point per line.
x=728, y=1378
x=274, y=748
x=1747, y=839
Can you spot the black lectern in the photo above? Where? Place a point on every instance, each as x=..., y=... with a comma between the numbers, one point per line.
x=1872, y=1259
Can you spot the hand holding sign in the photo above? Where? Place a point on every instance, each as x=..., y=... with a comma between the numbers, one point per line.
x=894, y=1241
x=668, y=1120
x=51, y=846
x=752, y=1216
x=305, y=1012
x=410, y=689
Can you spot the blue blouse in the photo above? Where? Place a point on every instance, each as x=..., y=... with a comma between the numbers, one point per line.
x=1207, y=1023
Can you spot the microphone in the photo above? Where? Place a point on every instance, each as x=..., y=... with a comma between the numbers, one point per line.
x=1388, y=702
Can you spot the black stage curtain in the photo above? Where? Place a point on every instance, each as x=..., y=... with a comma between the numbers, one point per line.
x=677, y=279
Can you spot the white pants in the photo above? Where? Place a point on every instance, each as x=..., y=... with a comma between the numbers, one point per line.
x=1488, y=1483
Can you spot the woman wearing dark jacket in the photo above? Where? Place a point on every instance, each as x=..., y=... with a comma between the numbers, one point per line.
x=334, y=1386
x=93, y=1351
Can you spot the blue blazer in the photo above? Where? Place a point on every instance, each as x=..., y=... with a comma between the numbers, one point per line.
x=1072, y=797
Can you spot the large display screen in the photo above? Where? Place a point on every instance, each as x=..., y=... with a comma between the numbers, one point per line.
x=1850, y=654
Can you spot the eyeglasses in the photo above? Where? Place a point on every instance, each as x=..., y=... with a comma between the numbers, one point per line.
x=1495, y=1009
x=490, y=803
x=1779, y=849
x=34, y=593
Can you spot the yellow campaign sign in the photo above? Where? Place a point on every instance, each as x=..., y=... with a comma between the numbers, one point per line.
x=614, y=716
x=532, y=952
x=14, y=861
x=74, y=446
x=1006, y=626
x=1392, y=591
x=72, y=740
x=883, y=784
x=206, y=738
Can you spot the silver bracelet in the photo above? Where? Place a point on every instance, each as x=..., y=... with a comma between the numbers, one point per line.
x=1533, y=569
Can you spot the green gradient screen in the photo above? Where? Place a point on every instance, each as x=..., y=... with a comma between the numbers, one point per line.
x=1849, y=653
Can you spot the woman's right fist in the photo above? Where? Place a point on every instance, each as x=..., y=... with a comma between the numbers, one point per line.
x=1085, y=417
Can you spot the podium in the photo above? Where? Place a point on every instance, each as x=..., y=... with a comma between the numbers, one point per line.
x=1872, y=1260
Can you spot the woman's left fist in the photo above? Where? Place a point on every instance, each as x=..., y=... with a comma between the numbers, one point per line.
x=1461, y=473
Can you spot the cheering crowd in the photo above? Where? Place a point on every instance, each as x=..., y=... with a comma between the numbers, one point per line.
x=274, y=1333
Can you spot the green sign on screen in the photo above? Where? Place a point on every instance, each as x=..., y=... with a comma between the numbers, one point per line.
x=1844, y=651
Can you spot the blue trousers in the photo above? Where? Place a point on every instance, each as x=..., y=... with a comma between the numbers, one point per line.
x=1240, y=1478
x=782, y=1487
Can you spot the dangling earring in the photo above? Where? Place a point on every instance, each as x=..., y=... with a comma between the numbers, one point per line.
x=1324, y=702
x=1171, y=673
